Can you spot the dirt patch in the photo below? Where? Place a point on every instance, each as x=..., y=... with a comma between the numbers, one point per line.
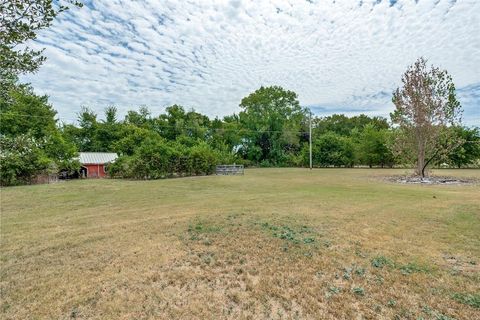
x=461, y=264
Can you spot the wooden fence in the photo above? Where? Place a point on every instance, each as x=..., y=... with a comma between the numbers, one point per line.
x=226, y=170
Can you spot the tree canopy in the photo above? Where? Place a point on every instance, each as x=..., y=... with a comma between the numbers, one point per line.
x=21, y=21
x=32, y=143
x=272, y=122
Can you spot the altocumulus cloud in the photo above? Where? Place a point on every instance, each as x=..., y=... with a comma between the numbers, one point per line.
x=340, y=56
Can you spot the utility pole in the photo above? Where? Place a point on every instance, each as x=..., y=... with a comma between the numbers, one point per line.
x=310, y=140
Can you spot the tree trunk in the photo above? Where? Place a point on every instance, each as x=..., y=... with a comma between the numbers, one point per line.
x=420, y=159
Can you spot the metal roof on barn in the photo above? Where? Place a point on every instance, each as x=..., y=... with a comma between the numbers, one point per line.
x=97, y=157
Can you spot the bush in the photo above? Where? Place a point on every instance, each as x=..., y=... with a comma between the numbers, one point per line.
x=21, y=160
x=120, y=168
x=331, y=149
x=265, y=164
x=152, y=160
x=203, y=159
x=157, y=159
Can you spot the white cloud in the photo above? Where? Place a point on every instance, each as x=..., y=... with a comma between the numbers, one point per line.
x=340, y=55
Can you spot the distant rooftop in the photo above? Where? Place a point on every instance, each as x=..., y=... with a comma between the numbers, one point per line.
x=97, y=157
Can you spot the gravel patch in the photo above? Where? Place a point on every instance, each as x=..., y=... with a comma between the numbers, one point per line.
x=433, y=180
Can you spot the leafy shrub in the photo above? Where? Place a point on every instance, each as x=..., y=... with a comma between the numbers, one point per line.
x=331, y=149
x=203, y=159
x=158, y=158
x=265, y=164
x=152, y=160
x=120, y=168
x=21, y=160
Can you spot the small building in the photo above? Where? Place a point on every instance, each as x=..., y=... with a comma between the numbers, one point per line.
x=94, y=164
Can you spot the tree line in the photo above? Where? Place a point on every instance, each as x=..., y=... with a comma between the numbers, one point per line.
x=271, y=129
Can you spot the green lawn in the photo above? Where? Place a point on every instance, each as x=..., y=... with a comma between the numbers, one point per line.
x=273, y=244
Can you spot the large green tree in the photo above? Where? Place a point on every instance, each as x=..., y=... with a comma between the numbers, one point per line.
x=468, y=151
x=27, y=121
x=177, y=122
x=271, y=122
x=371, y=147
x=20, y=22
x=331, y=149
x=22, y=158
x=225, y=134
x=130, y=137
x=88, y=135
x=25, y=114
x=344, y=125
x=108, y=130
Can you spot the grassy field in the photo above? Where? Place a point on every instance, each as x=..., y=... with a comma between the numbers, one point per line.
x=273, y=244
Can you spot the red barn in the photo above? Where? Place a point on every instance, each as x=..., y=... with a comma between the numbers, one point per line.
x=94, y=164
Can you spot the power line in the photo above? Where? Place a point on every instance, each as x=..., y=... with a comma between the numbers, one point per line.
x=242, y=130
x=181, y=127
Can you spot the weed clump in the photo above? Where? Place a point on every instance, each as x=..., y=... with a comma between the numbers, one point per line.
x=472, y=300
x=434, y=313
x=359, y=271
x=295, y=235
x=333, y=290
x=347, y=273
x=406, y=269
x=201, y=227
x=359, y=291
x=308, y=240
x=381, y=261
x=200, y=230
x=391, y=303
x=410, y=268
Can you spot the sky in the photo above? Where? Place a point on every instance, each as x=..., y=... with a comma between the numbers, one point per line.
x=339, y=56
